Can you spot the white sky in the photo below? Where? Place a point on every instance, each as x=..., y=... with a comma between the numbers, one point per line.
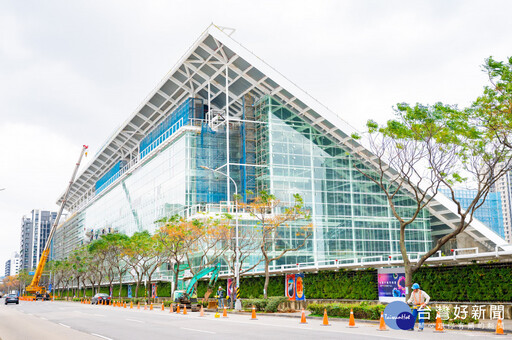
x=72, y=71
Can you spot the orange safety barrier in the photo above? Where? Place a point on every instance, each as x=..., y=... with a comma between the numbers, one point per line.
x=351, y=321
x=439, y=324
x=303, y=317
x=253, y=315
x=325, y=321
x=499, y=327
x=382, y=324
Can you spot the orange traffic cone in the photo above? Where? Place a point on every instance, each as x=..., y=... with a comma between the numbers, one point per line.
x=303, y=317
x=162, y=306
x=225, y=312
x=439, y=324
x=145, y=305
x=124, y=305
x=151, y=306
x=178, y=309
x=138, y=305
x=185, y=310
x=201, y=313
x=253, y=316
x=351, y=321
x=131, y=304
x=172, y=307
x=499, y=327
x=382, y=325
x=325, y=321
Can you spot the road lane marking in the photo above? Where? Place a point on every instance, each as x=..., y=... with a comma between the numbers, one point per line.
x=42, y=317
x=101, y=336
x=135, y=320
x=64, y=325
x=197, y=330
x=98, y=315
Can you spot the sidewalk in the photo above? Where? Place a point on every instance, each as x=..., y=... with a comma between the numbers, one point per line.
x=487, y=325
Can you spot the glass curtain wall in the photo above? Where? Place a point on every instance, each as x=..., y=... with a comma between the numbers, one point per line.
x=349, y=212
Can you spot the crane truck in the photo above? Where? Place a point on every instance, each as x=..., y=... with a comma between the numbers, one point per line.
x=34, y=287
x=186, y=297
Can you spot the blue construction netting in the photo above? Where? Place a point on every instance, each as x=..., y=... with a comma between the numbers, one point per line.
x=109, y=177
x=191, y=108
x=211, y=152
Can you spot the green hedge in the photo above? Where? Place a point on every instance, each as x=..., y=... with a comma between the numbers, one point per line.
x=357, y=285
x=361, y=311
x=484, y=282
x=267, y=305
x=488, y=282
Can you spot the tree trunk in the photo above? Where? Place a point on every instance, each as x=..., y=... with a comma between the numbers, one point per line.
x=408, y=282
x=176, y=273
x=267, y=277
x=120, y=284
x=137, y=289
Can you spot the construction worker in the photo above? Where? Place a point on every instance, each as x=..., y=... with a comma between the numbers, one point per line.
x=220, y=297
x=418, y=300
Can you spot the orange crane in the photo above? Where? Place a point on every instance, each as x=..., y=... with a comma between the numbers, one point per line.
x=34, y=287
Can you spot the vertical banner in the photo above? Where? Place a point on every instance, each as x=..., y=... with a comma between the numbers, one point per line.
x=230, y=288
x=290, y=286
x=50, y=288
x=299, y=287
x=153, y=291
x=129, y=291
x=391, y=284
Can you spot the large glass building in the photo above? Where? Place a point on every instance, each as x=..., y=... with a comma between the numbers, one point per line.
x=223, y=108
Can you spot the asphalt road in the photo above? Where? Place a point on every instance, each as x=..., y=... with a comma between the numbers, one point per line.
x=67, y=320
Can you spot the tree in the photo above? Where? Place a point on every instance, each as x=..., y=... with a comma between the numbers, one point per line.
x=494, y=106
x=110, y=248
x=428, y=147
x=174, y=235
x=144, y=257
x=274, y=223
x=78, y=269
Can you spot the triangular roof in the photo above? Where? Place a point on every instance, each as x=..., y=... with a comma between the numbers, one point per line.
x=206, y=61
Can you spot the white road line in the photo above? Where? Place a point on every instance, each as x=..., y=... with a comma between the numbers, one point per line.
x=64, y=325
x=197, y=330
x=135, y=320
x=101, y=336
x=42, y=317
x=98, y=315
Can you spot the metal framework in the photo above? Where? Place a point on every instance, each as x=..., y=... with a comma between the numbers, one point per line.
x=219, y=70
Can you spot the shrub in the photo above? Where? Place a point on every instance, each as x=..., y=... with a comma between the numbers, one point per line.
x=273, y=302
x=268, y=305
x=361, y=311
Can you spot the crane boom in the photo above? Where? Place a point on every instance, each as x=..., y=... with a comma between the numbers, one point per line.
x=34, y=285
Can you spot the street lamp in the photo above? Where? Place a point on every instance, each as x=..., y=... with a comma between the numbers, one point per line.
x=238, y=303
